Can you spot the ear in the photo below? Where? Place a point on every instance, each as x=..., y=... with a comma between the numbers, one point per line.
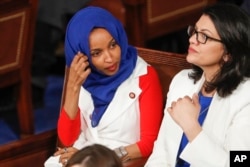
x=226, y=57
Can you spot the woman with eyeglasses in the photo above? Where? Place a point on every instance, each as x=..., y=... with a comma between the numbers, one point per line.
x=207, y=113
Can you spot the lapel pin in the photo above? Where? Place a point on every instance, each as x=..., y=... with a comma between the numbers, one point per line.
x=132, y=95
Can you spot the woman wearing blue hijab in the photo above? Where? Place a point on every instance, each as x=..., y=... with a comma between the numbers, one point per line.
x=113, y=97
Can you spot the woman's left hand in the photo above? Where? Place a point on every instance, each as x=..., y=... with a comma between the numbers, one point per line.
x=65, y=154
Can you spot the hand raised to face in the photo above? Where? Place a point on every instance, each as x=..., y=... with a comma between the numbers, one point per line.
x=79, y=69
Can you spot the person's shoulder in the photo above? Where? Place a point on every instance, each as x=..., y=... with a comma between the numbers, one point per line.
x=240, y=95
x=140, y=60
x=243, y=87
x=241, y=92
x=183, y=73
x=182, y=78
x=141, y=67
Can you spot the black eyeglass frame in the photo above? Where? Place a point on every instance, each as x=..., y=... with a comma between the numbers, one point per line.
x=191, y=31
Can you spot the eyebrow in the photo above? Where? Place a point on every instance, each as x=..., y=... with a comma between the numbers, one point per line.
x=112, y=40
x=99, y=49
x=204, y=30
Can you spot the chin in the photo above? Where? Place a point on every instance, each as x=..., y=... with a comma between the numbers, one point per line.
x=189, y=58
x=111, y=73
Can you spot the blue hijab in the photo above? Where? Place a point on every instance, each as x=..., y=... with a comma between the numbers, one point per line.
x=101, y=87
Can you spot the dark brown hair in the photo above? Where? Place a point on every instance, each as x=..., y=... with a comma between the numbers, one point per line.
x=95, y=156
x=232, y=24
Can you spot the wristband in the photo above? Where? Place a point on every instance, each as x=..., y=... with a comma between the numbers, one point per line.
x=121, y=151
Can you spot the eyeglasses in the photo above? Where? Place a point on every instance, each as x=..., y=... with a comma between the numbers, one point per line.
x=200, y=36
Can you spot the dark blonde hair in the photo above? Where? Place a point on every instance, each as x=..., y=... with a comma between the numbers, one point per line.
x=95, y=156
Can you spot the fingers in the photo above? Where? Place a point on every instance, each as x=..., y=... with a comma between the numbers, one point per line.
x=62, y=150
x=79, y=56
x=185, y=99
x=80, y=62
x=195, y=99
x=65, y=154
x=188, y=98
x=65, y=161
x=65, y=157
x=180, y=101
x=59, y=151
x=79, y=70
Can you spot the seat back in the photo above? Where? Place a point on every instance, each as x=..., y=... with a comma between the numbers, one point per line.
x=167, y=64
x=17, y=28
x=145, y=20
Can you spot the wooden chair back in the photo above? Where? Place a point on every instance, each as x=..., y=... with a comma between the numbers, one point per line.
x=17, y=27
x=145, y=20
x=167, y=64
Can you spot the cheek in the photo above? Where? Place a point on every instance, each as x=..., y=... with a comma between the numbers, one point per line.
x=206, y=56
x=118, y=55
x=215, y=54
x=97, y=62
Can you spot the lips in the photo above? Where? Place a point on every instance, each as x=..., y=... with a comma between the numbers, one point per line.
x=112, y=68
x=191, y=50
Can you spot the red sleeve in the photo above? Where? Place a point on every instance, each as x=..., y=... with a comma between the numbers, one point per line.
x=68, y=130
x=151, y=110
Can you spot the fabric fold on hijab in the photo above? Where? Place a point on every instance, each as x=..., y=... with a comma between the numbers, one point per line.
x=101, y=87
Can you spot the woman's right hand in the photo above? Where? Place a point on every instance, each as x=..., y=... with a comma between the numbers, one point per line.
x=185, y=112
x=78, y=73
x=79, y=70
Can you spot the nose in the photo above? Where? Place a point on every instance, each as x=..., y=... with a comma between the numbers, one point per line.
x=108, y=57
x=193, y=39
